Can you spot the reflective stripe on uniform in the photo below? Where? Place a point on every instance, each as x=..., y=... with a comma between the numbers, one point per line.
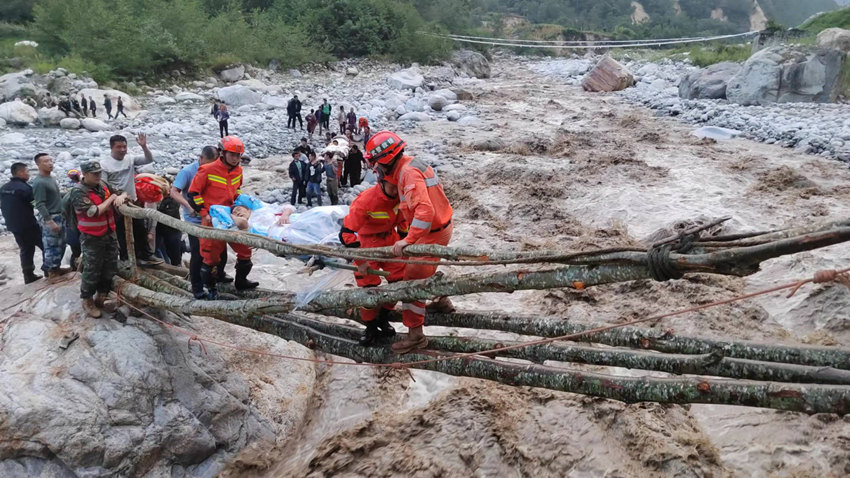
x=217, y=179
x=420, y=224
x=378, y=214
x=413, y=308
x=91, y=223
x=431, y=182
x=198, y=200
x=235, y=180
x=402, y=198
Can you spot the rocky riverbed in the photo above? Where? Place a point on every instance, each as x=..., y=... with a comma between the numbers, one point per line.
x=813, y=128
x=544, y=165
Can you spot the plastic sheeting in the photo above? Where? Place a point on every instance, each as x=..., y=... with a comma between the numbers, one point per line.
x=716, y=133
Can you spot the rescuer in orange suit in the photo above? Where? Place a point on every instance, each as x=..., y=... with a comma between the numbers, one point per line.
x=374, y=220
x=429, y=216
x=219, y=184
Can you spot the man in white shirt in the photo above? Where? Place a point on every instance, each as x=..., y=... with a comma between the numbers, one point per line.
x=120, y=174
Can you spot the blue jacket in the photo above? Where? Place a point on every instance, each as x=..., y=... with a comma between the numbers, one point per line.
x=16, y=201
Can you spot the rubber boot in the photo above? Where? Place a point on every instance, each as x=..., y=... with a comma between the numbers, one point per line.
x=30, y=276
x=415, y=340
x=383, y=323
x=243, y=268
x=91, y=309
x=442, y=304
x=102, y=302
x=368, y=337
x=55, y=277
x=208, y=279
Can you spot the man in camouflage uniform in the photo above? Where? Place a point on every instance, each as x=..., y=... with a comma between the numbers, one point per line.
x=93, y=205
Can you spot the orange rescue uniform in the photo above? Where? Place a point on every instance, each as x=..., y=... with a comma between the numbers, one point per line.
x=374, y=220
x=217, y=184
x=429, y=216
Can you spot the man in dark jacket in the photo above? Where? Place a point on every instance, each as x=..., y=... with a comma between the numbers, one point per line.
x=16, y=200
x=293, y=111
x=353, y=166
x=298, y=175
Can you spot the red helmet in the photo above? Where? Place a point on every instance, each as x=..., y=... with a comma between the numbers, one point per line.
x=384, y=146
x=232, y=144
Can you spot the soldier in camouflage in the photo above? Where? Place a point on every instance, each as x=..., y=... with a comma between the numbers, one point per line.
x=93, y=205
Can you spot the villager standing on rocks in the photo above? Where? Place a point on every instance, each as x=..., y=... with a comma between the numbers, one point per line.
x=107, y=104
x=304, y=148
x=75, y=106
x=374, y=220
x=223, y=115
x=314, y=180
x=219, y=184
x=16, y=200
x=293, y=111
x=332, y=177
x=93, y=107
x=353, y=166
x=85, y=105
x=48, y=203
x=120, y=175
x=312, y=121
x=326, y=116
x=94, y=204
x=72, y=234
x=429, y=214
x=298, y=175
x=352, y=120
x=48, y=101
x=120, y=108
x=180, y=193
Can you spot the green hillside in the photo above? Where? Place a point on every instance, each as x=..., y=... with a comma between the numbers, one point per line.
x=836, y=19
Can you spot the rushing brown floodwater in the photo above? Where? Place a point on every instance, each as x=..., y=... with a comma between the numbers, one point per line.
x=558, y=167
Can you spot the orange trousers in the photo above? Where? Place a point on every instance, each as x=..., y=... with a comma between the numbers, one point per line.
x=413, y=313
x=211, y=251
x=396, y=270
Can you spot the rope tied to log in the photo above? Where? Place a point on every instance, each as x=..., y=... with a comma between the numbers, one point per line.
x=661, y=268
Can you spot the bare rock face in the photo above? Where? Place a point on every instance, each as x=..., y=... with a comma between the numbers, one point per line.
x=608, y=75
x=708, y=83
x=835, y=39
x=134, y=399
x=786, y=74
x=472, y=63
x=18, y=113
x=234, y=74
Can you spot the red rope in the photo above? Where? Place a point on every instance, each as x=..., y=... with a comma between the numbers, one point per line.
x=819, y=278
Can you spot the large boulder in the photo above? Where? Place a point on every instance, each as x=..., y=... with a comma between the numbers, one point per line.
x=448, y=94
x=50, y=116
x=18, y=113
x=415, y=116
x=61, y=85
x=188, y=97
x=708, y=83
x=785, y=74
x=134, y=399
x=437, y=102
x=238, y=95
x=17, y=84
x=69, y=123
x=94, y=125
x=472, y=63
x=608, y=75
x=232, y=74
x=835, y=39
x=408, y=79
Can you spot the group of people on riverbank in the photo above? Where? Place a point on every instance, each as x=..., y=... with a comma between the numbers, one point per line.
x=339, y=165
x=406, y=206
